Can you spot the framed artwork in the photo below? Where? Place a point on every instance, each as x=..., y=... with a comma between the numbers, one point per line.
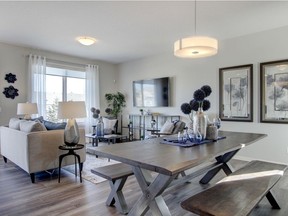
x=236, y=93
x=274, y=91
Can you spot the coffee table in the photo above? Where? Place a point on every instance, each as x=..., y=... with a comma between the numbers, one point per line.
x=110, y=138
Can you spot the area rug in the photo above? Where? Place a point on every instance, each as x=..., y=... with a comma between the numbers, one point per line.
x=90, y=163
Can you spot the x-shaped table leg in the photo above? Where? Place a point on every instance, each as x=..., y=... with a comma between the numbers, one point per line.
x=152, y=190
x=116, y=196
x=223, y=159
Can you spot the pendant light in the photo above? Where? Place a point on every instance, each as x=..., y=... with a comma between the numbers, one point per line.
x=195, y=46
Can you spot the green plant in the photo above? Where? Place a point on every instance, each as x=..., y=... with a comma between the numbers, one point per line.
x=116, y=102
x=52, y=110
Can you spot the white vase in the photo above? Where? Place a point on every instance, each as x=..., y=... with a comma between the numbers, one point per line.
x=200, y=122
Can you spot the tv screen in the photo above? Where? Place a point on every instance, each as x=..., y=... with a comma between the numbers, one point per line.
x=151, y=93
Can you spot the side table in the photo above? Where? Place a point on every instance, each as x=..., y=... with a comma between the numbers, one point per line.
x=71, y=151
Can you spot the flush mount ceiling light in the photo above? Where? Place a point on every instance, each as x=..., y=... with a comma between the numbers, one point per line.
x=87, y=41
x=196, y=46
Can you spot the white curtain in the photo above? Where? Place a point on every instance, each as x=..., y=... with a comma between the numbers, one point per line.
x=92, y=93
x=37, y=82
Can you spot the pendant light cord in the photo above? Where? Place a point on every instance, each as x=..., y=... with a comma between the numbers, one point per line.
x=195, y=19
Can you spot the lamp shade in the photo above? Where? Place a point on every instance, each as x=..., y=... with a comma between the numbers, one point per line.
x=27, y=108
x=195, y=47
x=71, y=109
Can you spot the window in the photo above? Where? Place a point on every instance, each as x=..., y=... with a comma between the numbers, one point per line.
x=62, y=85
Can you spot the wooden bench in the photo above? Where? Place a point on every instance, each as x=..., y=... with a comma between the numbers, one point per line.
x=117, y=175
x=238, y=193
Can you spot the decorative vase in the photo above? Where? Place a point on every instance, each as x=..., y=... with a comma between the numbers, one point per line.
x=100, y=128
x=200, y=122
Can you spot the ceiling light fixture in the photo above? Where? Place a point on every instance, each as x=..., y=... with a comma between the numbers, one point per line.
x=87, y=41
x=195, y=46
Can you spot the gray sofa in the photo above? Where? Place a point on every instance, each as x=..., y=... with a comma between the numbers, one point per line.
x=36, y=151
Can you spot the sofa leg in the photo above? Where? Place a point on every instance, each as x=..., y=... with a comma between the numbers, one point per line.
x=32, y=176
x=5, y=159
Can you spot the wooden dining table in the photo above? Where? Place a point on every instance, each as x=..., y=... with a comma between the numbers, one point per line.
x=169, y=161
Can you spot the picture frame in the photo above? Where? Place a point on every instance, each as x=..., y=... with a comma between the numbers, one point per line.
x=274, y=91
x=236, y=93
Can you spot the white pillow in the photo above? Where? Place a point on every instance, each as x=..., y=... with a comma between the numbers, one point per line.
x=167, y=127
x=109, y=123
x=31, y=126
x=14, y=123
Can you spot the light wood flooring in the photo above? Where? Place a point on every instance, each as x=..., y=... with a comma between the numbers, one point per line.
x=18, y=196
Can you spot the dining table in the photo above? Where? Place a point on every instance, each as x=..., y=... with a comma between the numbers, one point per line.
x=168, y=162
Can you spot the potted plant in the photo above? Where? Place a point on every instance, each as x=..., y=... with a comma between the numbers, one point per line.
x=116, y=102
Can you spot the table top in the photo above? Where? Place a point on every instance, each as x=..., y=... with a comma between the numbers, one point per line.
x=169, y=160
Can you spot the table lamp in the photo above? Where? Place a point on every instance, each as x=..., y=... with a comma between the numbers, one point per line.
x=71, y=110
x=27, y=109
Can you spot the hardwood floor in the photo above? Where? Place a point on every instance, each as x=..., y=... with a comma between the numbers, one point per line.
x=18, y=196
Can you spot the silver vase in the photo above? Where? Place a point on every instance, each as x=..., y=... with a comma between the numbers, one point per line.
x=200, y=123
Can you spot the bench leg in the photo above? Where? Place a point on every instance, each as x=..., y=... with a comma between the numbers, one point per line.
x=116, y=196
x=272, y=200
x=5, y=159
x=225, y=167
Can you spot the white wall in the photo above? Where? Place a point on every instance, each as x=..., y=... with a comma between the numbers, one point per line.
x=13, y=59
x=190, y=74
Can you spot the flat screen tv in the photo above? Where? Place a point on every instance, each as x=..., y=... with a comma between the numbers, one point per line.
x=151, y=93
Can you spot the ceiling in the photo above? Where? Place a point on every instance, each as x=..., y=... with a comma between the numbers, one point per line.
x=129, y=30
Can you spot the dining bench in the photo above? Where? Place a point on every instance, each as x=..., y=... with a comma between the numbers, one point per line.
x=117, y=175
x=238, y=193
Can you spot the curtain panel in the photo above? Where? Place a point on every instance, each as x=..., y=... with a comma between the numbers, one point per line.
x=92, y=94
x=37, y=82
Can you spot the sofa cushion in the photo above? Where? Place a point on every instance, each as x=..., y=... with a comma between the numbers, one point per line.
x=54, y=126
x=14, y=123
x=31, y=126
x=109, y=125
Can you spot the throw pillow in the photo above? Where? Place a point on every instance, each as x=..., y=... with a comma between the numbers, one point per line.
x=107, y=131
x=54, y=126
x=167, y=127
x=40, y=118
x=14, y=123
x=109, y=124
x=30, y=126
x=42, y=124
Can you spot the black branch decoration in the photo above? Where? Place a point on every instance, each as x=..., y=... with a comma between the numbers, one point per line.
x=10, y=92
x=11, y=78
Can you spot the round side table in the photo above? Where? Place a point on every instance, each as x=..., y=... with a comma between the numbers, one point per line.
x=71, y=151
